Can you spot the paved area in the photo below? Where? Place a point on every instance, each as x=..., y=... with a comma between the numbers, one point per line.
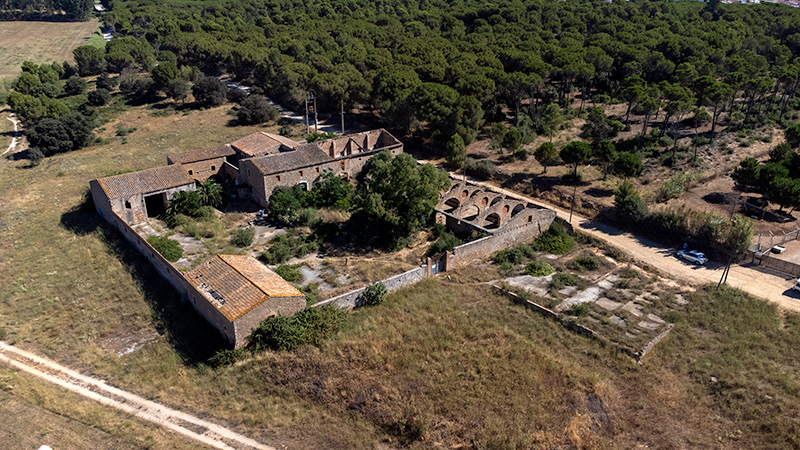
x=202, y=431
x=773, y=287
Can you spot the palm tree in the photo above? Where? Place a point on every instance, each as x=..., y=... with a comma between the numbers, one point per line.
x=210, y=193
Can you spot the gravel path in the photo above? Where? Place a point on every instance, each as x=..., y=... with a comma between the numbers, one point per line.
x=202, y=431
x=15, y=137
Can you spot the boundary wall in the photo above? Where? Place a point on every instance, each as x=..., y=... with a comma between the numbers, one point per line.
x=352, y=299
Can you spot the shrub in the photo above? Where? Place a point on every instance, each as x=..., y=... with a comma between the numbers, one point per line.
x=447, y=242
x=285, y=246
x=555, y=241
x=561, y=280
x=289, y=273
x=169, y=248
x=587, y=262
x=226, y=357
x=539, y=269
x=374, y=294
x=243, y=237
x=99, y=97
x=513, y=256
x=579, y=310
x=309, y=326
x=484, y=169
x=255, y=109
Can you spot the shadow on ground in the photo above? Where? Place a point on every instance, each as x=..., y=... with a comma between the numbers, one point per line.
x=187, y=331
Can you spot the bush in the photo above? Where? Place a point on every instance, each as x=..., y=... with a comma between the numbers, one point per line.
x=309, y=326
x=285, y=246
x=255, y=109
x=243, y=237
x=289, y=273
x=75, y=85
x=374, y=294
x=447, y=242
x=225, y=357
x=99, y=97
x=579, y=310
x=561, y=280
x=555, y=241
x=484, y=169
x=587, y=262
x=513, y=256
x=539, y=269
x=169, y=248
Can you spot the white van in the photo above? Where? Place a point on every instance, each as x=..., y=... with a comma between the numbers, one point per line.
x=796, y=286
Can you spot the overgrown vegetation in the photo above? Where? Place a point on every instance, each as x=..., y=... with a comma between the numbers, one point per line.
x=309, y=326
x=555, y=240
x=292, y=244
x=169, y=248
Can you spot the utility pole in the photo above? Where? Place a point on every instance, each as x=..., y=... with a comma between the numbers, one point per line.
x=307, y=129
x=342, y=113
x=572, y=207
x=316, y=130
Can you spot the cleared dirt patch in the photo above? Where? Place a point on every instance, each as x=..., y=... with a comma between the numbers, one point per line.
x=40, y=42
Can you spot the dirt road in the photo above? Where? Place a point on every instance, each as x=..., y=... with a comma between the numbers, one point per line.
x=771, y=287
x=207, y=433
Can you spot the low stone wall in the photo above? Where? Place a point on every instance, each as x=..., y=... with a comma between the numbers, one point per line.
x=483, y=248
x=352, y=299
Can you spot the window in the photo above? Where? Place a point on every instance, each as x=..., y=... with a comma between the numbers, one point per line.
x=530, y=219
x=278, y=178
x=190, y=173
x=317, y=169
x=128, y=204
x=213, y=167
x=301, y=173
x=343, y=166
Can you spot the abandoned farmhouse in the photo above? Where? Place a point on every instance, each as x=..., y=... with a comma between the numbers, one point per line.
x=234, y=293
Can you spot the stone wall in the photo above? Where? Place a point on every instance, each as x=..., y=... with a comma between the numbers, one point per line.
x=202, y=170
x=283, y=306
x=483, y=248
x=352, y=299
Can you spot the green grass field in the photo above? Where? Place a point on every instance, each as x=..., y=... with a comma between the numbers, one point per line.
x=446, y=362
x=40, y=42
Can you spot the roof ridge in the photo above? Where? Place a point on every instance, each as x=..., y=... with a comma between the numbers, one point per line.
x=243, y=275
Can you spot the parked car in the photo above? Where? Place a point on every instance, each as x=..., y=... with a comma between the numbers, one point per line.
x=796, y=286
x=693, y=256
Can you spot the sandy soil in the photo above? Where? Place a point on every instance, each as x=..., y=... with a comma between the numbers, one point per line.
x=204, y=432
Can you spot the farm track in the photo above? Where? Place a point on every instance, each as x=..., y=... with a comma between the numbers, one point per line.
x=202, y=431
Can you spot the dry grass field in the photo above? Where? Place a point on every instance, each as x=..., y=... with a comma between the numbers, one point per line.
x=40, y=42
x=446, y=363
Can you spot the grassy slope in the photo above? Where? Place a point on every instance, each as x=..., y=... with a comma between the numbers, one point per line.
x=448, y=359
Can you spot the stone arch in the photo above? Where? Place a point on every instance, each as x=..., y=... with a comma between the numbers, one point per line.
x=517, y=209
x=452, y=204
x=496, y=200
x=492, y=221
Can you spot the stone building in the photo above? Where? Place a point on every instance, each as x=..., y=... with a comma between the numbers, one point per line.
x=282, y=164
x=235, y=293
x=204, y=163
x=136, y=196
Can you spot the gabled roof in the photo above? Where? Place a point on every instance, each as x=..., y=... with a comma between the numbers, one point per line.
x=302, y=156
x=236, y=284
x=202, y=154
x=145, y=181
x=258, y=144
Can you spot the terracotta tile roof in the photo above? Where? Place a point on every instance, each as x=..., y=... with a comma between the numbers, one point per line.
x=203, y=154
x=258, y=144
x=302, y=156
x=145, y=181
x=237, y=284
